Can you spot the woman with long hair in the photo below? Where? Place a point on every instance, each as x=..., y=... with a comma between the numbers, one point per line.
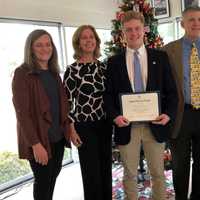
x=40, y=104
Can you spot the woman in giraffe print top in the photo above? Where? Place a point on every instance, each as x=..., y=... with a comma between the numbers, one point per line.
x=84, y=83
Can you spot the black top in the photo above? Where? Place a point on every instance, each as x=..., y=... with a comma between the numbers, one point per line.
x=51, y=87
x=84, y=83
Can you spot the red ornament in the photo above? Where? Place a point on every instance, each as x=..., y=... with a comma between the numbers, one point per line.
x=119, y=15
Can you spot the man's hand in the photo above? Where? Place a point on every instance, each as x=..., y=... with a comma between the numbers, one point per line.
x=40, y=154
x=121, y=121
x=162, y=119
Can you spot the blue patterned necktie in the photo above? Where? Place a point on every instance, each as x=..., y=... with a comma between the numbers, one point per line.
x=138, y=83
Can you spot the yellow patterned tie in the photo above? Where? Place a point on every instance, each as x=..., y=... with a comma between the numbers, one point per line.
x=195, y=77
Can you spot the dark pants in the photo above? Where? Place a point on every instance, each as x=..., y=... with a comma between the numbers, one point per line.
x=187, y=144
x=96, y=159
x=45, y=176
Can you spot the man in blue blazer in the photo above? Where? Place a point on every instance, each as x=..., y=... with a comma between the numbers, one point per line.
x=156, y=75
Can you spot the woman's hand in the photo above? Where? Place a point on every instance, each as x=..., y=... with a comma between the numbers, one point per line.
x=40, y=154
x=74, y=137
x=121, y=121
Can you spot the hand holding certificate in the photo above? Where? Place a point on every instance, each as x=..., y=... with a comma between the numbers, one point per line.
x=138, y=107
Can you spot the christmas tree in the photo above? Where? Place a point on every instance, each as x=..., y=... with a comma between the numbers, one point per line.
x=151, y=39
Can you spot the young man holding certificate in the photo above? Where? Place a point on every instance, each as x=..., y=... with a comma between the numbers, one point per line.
x=141, y=100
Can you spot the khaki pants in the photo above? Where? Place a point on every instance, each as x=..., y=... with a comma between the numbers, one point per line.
x=153, y=151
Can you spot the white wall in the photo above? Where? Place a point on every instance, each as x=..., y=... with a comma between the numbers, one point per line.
x=175, y=7
x=70, y=12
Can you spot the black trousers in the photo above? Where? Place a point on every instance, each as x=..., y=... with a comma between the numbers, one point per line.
x=45, y=176
x=187, y=144
x=95, y=157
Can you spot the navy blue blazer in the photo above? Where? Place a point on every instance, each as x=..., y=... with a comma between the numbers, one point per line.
x=159, y=78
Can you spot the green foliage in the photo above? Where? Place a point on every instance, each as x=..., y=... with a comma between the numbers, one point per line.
x=12, y=167
x=66, y=154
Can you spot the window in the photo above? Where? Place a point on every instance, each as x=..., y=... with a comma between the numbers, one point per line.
x=69, y=31
x=180, y=31
x=105, y=36
x=167, y=31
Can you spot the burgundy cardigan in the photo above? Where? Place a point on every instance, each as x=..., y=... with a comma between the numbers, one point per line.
x=33, y=111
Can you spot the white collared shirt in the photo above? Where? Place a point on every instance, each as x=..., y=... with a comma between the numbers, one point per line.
x=142, y=54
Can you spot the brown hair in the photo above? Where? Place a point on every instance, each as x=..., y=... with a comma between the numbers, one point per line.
x=129, y=15
x=29, y=58
x=76, y=41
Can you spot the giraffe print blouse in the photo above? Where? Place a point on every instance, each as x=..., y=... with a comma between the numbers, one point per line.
x=84, y=84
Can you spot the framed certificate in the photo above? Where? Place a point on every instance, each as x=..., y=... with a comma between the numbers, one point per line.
x=139, y=107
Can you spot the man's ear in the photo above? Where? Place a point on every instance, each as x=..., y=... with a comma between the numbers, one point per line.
x=182, y=24
x=123, y=35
